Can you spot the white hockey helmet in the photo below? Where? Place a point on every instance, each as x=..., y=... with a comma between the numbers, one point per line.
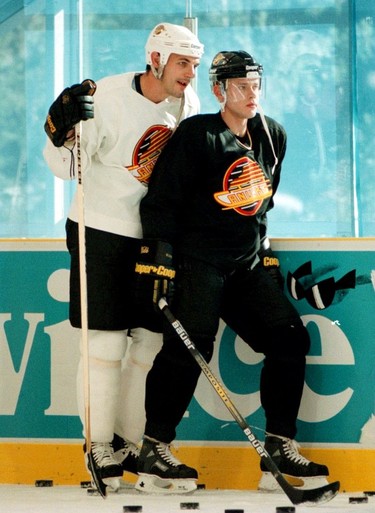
x=167, y=38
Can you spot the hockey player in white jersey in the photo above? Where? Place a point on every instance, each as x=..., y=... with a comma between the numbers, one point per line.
x=135, y=114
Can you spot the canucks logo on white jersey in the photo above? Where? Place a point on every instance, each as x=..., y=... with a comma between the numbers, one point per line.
x=147, y=151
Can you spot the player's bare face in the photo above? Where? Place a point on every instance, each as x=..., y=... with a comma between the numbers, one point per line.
x=178, y=73
x=243, y=96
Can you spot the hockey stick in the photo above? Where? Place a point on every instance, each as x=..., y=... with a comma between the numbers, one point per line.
x=84, y=318
x=100, y=485
x=297, y=496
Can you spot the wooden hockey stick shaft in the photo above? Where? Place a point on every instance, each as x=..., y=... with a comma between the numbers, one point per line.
x=84, y=314
x=101, y=487
x=83, y=289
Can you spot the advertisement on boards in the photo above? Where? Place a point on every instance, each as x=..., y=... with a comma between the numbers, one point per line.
x=332, y=285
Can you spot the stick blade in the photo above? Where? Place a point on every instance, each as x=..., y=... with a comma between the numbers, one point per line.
x=100, y=485
x=314, y=496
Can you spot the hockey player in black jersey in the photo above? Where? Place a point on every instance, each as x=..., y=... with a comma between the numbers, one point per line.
x=207, y=206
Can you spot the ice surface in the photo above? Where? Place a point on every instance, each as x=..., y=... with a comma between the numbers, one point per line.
x=74, y=499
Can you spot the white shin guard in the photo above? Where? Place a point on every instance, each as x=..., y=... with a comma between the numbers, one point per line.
x=141, y=353
x=105, y=352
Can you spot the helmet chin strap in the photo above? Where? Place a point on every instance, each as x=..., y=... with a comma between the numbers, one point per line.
x=223, y=93
x=157, y=72
x=223, y=102
x=263, y=118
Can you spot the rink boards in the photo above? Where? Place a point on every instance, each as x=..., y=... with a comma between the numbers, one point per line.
x=331, y=283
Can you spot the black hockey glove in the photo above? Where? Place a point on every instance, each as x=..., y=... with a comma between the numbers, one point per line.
x=74, y=104
x=271, y=264
x=154, y=273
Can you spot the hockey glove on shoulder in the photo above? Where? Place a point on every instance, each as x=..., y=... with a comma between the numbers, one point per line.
x=154, y=273
x=74, y=104
x=271, y=264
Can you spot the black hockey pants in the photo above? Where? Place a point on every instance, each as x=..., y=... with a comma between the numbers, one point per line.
x=253, y=306
x=110, y=263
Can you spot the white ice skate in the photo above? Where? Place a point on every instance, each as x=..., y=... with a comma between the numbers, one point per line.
x=161, y=472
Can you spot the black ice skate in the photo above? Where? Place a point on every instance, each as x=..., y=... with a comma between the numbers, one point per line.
x=106, y=467
x=284, y=453
x=160, y=472
x=126, y=454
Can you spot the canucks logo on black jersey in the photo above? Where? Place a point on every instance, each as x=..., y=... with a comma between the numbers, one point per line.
x=245, y=187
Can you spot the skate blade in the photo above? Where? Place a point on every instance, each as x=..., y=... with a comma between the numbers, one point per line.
x=268, y=483
x=148, y=483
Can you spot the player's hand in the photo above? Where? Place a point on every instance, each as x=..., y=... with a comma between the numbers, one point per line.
x=154, y=273
x=271, y=264
x=74, y=104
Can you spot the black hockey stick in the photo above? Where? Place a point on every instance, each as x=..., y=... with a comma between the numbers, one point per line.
x=296, y=495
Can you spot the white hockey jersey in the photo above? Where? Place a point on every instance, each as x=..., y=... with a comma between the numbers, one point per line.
x=119, y=148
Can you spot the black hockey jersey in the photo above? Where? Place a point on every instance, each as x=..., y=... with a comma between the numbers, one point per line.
x=209, y=193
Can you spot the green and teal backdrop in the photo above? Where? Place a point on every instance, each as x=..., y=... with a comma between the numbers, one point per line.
x=40, y=351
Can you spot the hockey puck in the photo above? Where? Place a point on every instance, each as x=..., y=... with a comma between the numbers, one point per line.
x=357, y=500
x=92, y=491
x=285, y=509
x=86, y=484
x=189, y=505
x=234, y=511
x=201, y=486
x=43, y=482
x=126, y=509
x=369, y=493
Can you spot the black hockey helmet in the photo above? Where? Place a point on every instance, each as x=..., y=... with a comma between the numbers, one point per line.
x=236, y=64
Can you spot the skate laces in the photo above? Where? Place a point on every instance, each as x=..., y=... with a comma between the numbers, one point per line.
x=103, y=454
x=290, y=448
x=166, y=455
x=129, y=448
